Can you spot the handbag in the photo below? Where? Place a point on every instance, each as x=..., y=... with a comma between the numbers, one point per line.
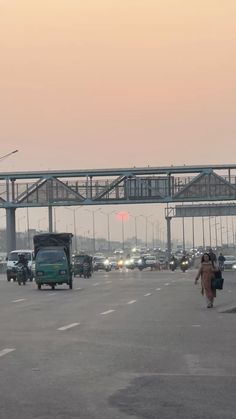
x=217, y=282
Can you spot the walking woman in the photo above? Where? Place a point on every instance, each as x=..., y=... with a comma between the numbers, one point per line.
x=206, y=272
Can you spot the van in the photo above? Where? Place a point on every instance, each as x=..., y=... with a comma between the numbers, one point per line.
x=12, y=260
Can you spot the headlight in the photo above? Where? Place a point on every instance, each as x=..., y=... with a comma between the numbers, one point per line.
x=62, y=272
x=140, y=261
x=39, y=273
x=234, y=266
x=131, y=260
x=106, y=262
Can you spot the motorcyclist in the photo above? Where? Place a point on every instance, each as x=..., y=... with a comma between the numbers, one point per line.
x=173, y=261
x=22, y=260
x=184, y=259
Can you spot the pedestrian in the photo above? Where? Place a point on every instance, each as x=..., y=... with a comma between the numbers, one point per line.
x=212, y=256
x=206, y=272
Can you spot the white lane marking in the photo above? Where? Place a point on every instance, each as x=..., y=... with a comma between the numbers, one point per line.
x=19, y=300
x=167, y=283
x=107, y=312
x=158, y=289
x=52, y=294
x=132, y=302
x=196, y=325
x=69, y=326
x=6, y=351
x=148, y=294
x=229, y=290
x=96, y=284
x=77, y=289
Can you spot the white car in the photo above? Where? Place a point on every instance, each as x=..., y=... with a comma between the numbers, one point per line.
x=12, y=260
x=230, y=262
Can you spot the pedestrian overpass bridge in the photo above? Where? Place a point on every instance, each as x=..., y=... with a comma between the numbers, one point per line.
x=173, y=184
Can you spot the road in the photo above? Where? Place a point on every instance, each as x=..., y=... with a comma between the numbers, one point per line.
x=120, y=345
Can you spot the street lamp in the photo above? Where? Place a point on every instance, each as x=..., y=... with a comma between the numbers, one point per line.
x=108, y=214
x=135, y=227
x=75, y=229
x=146, y=217
x=8, y=154
x=93, y=218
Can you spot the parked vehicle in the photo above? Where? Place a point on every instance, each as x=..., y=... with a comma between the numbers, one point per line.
x=12, y=261
x=53, y=261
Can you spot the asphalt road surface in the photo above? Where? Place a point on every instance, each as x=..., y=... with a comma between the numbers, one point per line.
x=120, y=345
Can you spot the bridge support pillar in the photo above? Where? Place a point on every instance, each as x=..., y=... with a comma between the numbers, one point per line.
x=50, y=219
x=11, y=229
x=169, y=245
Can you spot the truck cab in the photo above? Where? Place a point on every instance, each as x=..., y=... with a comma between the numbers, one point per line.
x=53, y=264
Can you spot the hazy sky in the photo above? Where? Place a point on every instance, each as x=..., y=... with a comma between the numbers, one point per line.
x=105, y=83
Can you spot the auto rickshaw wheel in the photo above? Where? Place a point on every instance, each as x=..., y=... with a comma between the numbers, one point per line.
x=39, y=286
x=53, y=287
x=70, y=284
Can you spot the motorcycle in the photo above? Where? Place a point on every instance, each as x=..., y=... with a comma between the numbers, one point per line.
x=172, y=266
x=184, y=266
x=86, y=270
x=21, y=274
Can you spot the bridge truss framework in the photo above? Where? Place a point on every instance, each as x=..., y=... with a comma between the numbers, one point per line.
x=173, y=184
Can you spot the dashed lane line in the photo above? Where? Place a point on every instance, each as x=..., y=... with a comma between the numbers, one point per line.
x=132, y=302
x=19, y=300
x=107, y=312
x=148, y=294
x=167, y=283
x=96, y=284
x=158, y=289
x=6, y=351
x=69, y=326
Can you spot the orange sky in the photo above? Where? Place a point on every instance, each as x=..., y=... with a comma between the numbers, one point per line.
x=101, y=83
x=105, y=83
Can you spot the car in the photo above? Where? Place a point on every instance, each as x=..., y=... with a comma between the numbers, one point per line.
x=12, y=260
x=101, y=263
x=148, y=261
x=230, y=262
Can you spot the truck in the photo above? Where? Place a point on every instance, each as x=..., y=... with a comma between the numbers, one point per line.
x=53, y=259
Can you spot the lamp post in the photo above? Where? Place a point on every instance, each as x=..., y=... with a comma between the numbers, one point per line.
x=146, y=217
x=93, y=220
x=8, y=155
x=108, y=214
x=193, y=231
x=28, y=227
x=183, y=231
x=203, y=233
x=135, y=226
x=75, y=228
